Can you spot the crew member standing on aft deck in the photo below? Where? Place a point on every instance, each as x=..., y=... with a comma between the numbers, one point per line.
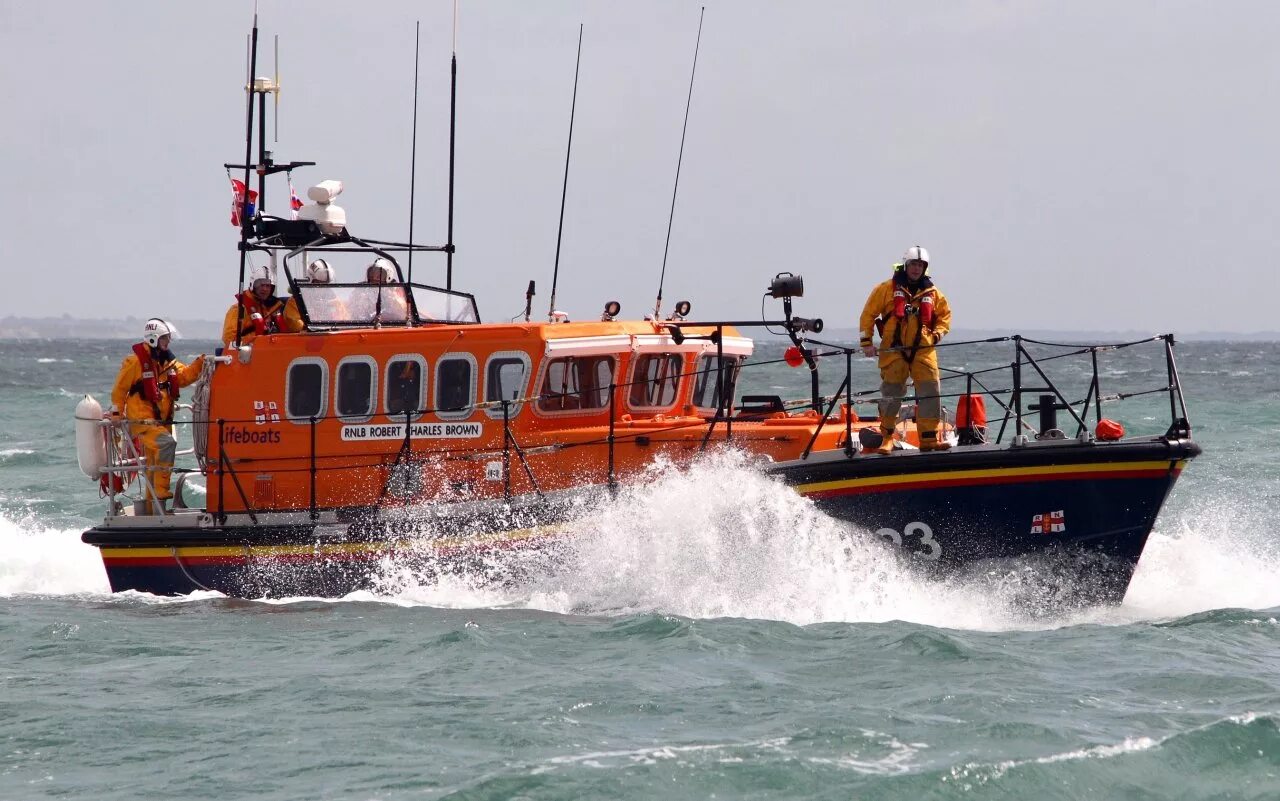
x=263, y=312
x=912, y=317
x=145, y=392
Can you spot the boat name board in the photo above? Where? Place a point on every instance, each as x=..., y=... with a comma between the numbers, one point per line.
x=367, y=431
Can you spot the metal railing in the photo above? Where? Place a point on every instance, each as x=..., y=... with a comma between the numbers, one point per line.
x=1011, y=400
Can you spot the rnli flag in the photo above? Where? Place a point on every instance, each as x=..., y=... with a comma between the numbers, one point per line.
x=1049, y=523
x=295, y=202
x=239, y=202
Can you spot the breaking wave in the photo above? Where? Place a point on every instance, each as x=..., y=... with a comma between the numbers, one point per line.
x=719, y=539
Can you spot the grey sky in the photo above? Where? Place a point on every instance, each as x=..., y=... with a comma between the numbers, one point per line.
x=1094, y=165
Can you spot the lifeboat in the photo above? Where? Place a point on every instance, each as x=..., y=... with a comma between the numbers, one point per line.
x=398, y=427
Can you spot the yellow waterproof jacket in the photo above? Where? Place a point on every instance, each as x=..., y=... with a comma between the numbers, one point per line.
x=129, y=397
x=902, y=332
x=292, y=317
x=276, y=312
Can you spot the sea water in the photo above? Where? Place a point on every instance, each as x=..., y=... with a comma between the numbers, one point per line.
x=710, y=635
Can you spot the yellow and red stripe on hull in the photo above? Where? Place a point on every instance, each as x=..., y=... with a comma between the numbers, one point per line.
x=228, y=555
x=1006, y=475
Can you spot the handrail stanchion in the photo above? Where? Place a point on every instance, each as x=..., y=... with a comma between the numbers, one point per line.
x=314, y=513
x=613, y=416
x=823, y=414
x=506, y=449
x=222, y=514
x=729, y=385
x=721, y=410
x=848, y=403
x=1018, y=436
x=1175, y=383
x=1097, y=386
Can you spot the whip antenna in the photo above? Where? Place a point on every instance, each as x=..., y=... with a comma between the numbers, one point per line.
x=275, y=115
x=657, y=306
x=453, y=120
x=413, y=148
x=564, y=190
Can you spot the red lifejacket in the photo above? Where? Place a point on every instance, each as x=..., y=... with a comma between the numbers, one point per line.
x=149, y=385
x=260, y=320
x=155, y=377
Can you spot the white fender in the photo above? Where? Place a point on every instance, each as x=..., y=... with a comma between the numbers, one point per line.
x=91, y=446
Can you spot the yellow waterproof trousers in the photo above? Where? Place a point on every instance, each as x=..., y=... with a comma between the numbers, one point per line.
x=923, y=372
x=160, y=449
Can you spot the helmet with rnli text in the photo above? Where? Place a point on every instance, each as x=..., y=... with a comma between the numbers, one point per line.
x=916, y=253
x=319, y=272
x=380, y=272
x=155, y=328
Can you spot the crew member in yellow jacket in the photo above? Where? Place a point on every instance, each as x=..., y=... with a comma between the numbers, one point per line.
x=912, y=317
x=263, y=312
x=145, y=392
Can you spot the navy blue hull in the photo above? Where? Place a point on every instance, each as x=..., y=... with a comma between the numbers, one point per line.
x=1088, y=508
x=1084, y=510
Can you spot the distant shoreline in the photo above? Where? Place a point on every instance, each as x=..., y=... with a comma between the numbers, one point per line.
x=67, y=327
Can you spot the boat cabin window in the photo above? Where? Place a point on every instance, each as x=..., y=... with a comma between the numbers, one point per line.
x=455, y=386
x=506, y=377
x=356, y=388
x=574, y=383
x=305, y=388
x=406, y=386
x=655, y=380
x=711, y=372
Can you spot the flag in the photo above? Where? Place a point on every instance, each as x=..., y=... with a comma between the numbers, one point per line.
x=295, y=202
x=1049, y=522
x=238, y=201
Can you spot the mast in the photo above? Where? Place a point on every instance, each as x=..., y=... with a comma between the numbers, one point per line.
x=564, y=190
x=246, y=224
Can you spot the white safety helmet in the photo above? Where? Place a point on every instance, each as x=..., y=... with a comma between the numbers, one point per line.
x=259, y=274
x=383, y=268
x=156, y=328
x=319, y=272
x=916, y=253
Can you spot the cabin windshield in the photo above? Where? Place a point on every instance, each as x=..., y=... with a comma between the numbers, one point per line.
x=385, y=304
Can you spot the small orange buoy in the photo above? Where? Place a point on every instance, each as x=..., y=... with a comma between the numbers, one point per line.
x=1108, y=430
x=794, y=356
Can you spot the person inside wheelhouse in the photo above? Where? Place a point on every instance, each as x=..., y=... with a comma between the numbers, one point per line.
x=323, y=303
x=381, y=299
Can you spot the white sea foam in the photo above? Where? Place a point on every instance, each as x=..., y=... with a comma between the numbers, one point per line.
x=42, y=561
x=1218, y=555
x=719, y=539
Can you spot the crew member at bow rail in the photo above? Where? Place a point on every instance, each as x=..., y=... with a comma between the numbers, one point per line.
x=912, y=317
